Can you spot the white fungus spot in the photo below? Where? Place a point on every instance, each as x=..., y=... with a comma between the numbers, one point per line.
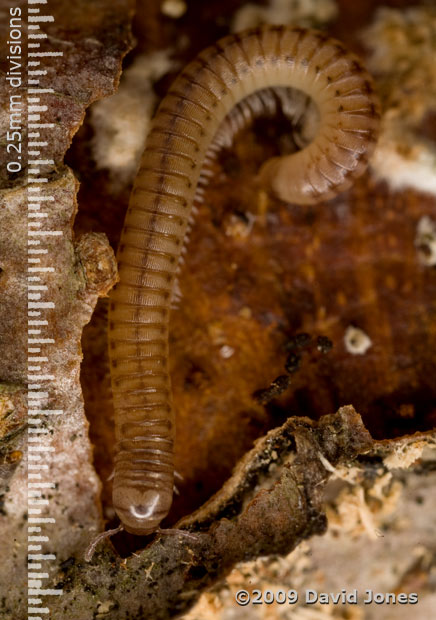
x=425, y=241
x=104, y=607
x=356, y=341
x=226, y=351
x=173, y=8
x=240, y=227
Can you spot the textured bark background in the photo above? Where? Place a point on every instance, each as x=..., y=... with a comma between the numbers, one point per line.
x=358, y=269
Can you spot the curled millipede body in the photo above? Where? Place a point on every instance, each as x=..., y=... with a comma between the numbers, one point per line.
x=202, y=110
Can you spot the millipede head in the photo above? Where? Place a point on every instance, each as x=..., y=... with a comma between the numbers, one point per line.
x=141, y=511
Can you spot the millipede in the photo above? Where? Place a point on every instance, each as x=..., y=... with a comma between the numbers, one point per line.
x=216, y=95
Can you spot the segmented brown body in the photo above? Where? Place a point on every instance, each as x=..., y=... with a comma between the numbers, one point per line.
x=184, y=133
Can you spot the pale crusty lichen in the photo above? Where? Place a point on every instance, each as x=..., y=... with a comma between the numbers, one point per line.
x=121, y=122
x=403, y=49
x=405, y=454
x=370, y=531
x=302, y=12
x=358, y=514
